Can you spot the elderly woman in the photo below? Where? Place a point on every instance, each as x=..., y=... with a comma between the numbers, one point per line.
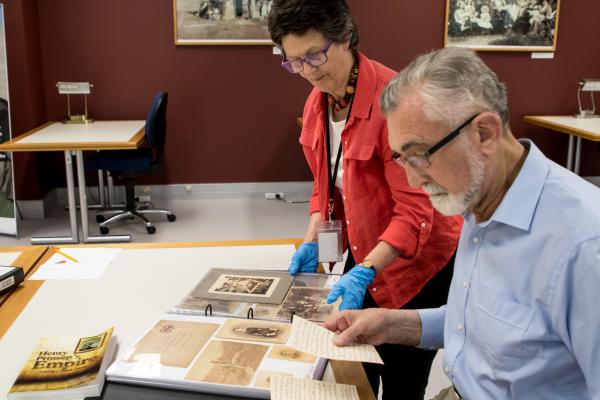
x=404, y=247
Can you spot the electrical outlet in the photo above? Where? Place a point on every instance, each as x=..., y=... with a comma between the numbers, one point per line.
x=188, y=188
x=275, y=196
x=144, y=198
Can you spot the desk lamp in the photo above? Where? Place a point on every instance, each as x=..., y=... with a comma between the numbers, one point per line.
x=70, y=88
x=588, y=85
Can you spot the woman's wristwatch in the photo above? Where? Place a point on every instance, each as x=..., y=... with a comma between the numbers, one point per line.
x=368, y=264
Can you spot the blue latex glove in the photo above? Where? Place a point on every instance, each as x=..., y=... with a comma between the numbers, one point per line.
x=305, y=259
x=352, y=287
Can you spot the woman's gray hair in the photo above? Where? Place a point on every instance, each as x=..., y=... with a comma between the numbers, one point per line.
x=453, y=84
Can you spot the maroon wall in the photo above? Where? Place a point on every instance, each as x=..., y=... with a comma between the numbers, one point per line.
x=232, y=109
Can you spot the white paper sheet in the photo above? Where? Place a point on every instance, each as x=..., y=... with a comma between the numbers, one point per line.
x=316, y=340
x=291, y=388
x=8, y=258
x=76, y=263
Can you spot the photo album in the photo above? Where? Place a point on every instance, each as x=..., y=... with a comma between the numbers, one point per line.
x=229, y=335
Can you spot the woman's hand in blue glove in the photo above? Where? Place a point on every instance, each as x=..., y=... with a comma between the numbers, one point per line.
x=352, y=287
x=305, y=259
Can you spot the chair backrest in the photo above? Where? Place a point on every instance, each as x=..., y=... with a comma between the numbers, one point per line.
x=156, y=122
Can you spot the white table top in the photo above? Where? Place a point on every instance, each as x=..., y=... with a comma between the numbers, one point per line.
x=100, y=131
x=99, y=135
x=138, y=286
x=587, y=128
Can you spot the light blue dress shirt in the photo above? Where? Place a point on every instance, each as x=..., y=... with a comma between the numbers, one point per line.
x=523, y=313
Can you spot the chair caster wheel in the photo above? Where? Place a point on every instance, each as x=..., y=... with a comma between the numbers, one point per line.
x=100, y=218
x=171, y=217
x=151, y=229
x=104, y=230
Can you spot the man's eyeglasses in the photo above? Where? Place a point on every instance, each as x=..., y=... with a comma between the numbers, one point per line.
x=315, y=59
x=422, y=161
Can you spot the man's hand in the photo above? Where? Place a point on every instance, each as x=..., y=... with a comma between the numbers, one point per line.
x=376, y=326
x=352, y=287
x=305, y=259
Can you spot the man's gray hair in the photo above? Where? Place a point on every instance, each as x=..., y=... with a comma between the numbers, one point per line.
x=453, y=84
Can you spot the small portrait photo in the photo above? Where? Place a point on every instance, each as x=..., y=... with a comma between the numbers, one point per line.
x=255, y=331
x=258, y=286
x=90, y=343
x=290, y=354
x=512, y=25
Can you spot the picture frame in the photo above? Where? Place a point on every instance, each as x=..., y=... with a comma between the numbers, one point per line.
x=502, y=25
x=250, y=286
x=221, y=22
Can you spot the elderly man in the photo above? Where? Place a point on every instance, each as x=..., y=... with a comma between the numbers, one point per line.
x=521, y=319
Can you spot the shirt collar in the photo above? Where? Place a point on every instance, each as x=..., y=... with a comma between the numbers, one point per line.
x=520, y=201
x=365, y=89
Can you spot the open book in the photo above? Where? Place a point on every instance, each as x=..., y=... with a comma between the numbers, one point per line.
x=229, y=356
x=65, y=367
x=228, y=335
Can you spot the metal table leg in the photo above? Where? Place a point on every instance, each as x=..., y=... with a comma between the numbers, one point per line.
x=74, y=238
x=577, y=156
x=84, y=209
x=570, y=153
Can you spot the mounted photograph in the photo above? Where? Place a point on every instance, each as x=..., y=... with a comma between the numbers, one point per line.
x=250, y=286
x=221, y=22
x=508, y=25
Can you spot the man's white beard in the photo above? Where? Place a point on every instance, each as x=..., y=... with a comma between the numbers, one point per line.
x=458, y=204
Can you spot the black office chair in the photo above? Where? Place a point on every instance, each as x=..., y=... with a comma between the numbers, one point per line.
x=124, y=164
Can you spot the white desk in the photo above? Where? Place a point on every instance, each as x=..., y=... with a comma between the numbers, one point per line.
x=142, y=282
x=586, y=128
x=74, y=139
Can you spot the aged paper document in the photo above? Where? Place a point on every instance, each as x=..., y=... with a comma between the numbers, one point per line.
x=314, y=339
x=175, y=342
x=290, y=388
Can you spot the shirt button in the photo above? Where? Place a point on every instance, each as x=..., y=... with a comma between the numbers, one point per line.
x=354, y=248
x=460, y=327
x=423, y=224
x=447, y=370
x=374, y=289
x=347, y=222
x=344, y=197
x=346, y=142
x=476, y=239
x=465, y=284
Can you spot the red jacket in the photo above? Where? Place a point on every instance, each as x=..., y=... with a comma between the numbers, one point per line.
x=378, y=202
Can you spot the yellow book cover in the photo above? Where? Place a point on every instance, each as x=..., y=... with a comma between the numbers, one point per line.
x=64, y=362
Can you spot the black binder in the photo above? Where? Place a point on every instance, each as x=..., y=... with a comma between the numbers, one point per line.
x=10, y=278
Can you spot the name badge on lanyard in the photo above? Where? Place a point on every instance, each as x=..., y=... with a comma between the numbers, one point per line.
x=329, y=232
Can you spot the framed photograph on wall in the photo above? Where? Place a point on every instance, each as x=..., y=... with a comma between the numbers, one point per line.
x=508, y=25
x=221, y=22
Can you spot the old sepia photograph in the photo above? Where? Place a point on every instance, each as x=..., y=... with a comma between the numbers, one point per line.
x=308, y=303
x=221, y=22
x=290, y=354
x=255, y=331
x=512, y=25
x=244, y=285
x=230, y=363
